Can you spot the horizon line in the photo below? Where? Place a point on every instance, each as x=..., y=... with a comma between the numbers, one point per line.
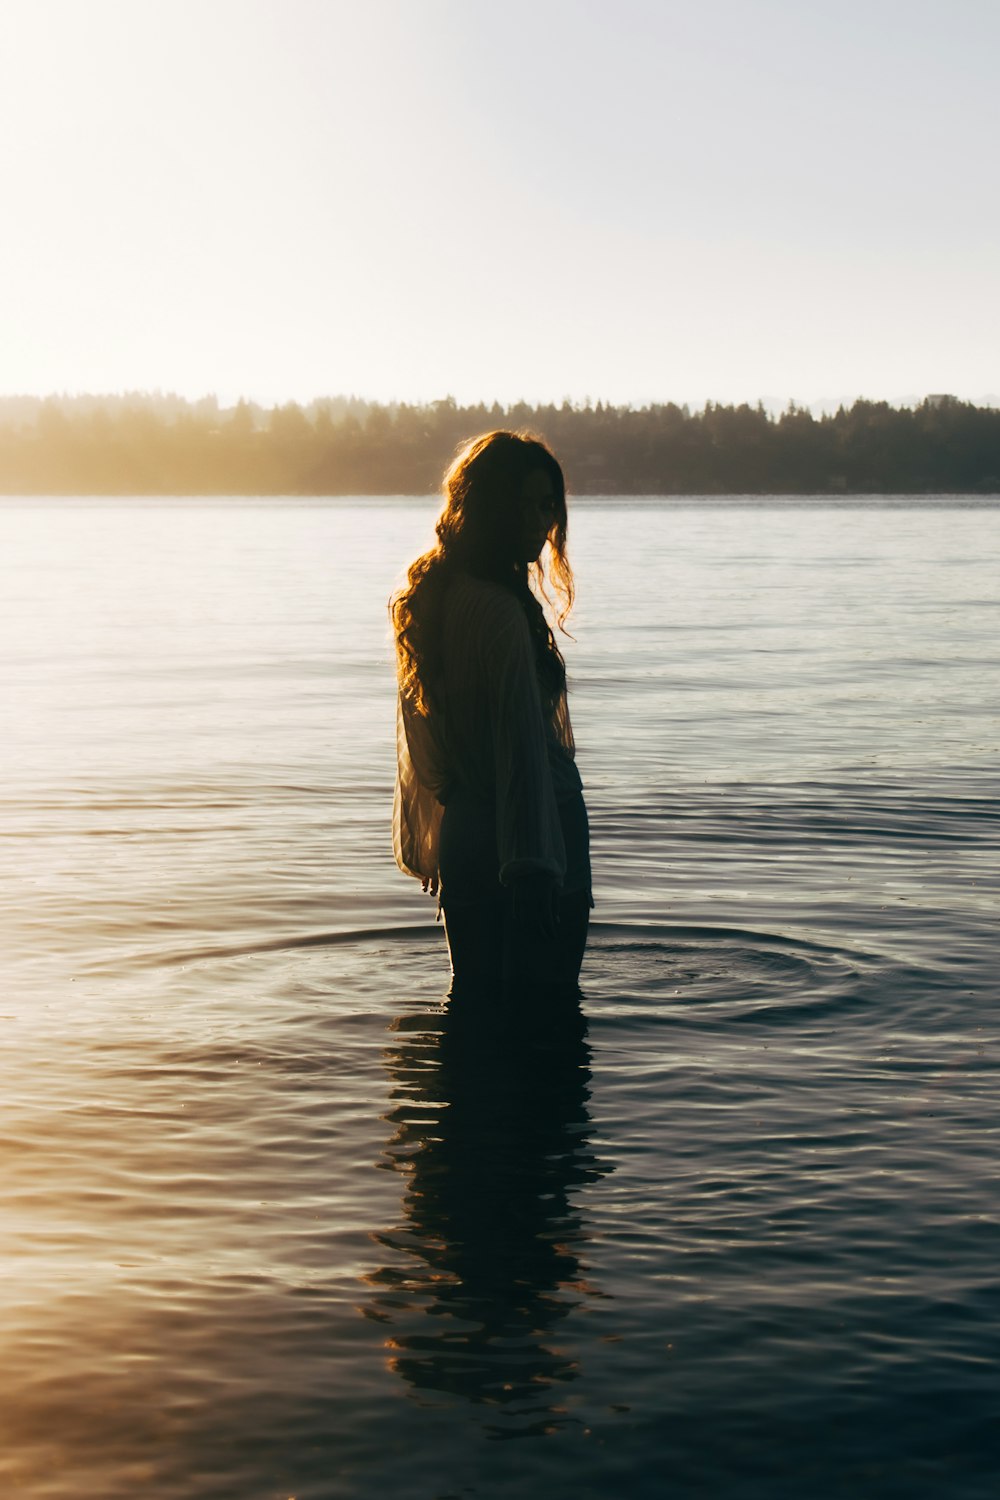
x=772, y=403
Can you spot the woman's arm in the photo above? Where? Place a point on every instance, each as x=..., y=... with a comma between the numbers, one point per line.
x=416, y=811
x=529, y=834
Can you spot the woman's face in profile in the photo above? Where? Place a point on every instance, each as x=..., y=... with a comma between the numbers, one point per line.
x=538, y=512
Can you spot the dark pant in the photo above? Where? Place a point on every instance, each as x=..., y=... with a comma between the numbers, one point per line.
x=494, y=961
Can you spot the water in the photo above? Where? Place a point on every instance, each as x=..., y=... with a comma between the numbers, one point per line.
x=270, y=1232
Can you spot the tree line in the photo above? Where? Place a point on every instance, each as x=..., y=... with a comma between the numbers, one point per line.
x=346, y=446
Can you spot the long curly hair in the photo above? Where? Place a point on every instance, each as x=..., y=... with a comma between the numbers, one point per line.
x=479, y=532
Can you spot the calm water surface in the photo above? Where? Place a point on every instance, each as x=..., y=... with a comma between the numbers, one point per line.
x=271, y=1231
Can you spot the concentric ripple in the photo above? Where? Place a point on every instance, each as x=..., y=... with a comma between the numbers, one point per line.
x=732, y=972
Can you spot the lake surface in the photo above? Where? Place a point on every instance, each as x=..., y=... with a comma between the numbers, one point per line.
x=269, y=1233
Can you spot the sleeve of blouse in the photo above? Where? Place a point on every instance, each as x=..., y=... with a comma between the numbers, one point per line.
x=529, y=834
x=416, y=811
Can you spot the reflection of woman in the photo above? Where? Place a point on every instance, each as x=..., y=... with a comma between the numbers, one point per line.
x=489, y=812
x=490, y=1256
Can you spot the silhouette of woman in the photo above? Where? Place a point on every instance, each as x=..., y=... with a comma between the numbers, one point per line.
x=488, y=810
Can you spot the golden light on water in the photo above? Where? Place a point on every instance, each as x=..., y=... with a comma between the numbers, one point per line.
x=267, y=1222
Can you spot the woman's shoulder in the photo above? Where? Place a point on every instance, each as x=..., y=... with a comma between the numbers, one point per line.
x=479, y=600
x=485, y=626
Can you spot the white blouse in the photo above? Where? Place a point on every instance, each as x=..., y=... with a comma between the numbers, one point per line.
x=489, y=736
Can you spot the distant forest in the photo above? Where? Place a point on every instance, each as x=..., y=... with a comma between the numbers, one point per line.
x=162, y=445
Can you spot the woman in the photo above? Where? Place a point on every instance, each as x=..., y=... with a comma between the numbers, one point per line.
x=489, y=810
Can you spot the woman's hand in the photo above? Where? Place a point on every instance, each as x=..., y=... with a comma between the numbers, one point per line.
x=430, y=885
x=535, y=903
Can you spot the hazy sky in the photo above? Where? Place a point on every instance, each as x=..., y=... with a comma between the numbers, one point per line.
x=628, y=199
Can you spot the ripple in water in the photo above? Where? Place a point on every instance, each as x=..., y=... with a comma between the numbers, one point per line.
x=276, y=1229
x=664, y=971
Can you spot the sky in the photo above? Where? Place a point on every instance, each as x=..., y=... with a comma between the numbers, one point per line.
x=626, y=200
